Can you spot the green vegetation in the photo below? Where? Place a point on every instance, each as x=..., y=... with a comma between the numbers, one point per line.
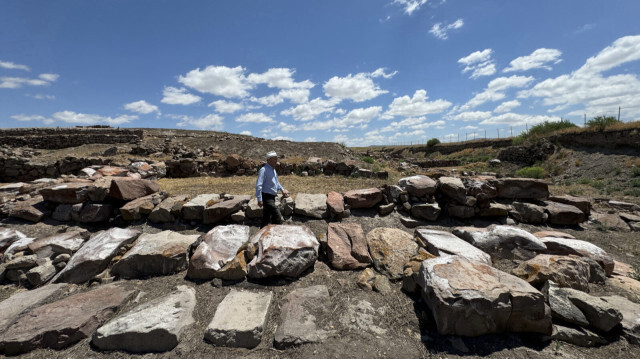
x=530, y=172
x=367, y=159
x=635, y=171
x=541, y=130
x=636, y=272
x=635, y=183
x=432, y=142
x=634, y=192
x=602, y=122
x=584, y=181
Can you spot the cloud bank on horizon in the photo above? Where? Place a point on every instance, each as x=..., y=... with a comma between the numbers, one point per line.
x=422, y=69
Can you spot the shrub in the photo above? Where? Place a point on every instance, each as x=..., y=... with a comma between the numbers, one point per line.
x=635, y=183
x=367, y=159
x=584, y=181
x=530, y=172
x=635, y=171
x=541, y=130
x=432, y=142
x=602, y=122
x=634, y=192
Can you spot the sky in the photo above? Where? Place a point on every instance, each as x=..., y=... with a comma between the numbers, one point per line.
x=357, y=72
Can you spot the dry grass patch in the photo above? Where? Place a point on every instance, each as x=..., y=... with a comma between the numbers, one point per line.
x=246, y=184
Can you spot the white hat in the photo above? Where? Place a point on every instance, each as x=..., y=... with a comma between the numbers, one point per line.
x=272, y=154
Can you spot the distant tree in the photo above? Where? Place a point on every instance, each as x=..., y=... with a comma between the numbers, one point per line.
x=602, y=122
x=432, y=142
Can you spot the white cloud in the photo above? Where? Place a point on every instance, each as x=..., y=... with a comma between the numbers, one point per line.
x=246, y=133
x=208, y=122
x=310, y=110
x=588, y=87
x=281, y=78
x=142, y=107
x=13, y=66
x=359, y=87
x=495, y=90
x=472, y=116
x=18, y=82
x=507, y=106
x=218, y=80
x=538, y=59
x=295, y=95
x=310, y=139
x=341, y=138
x=410, y=5
x=254, y=118
x=223, y=106
x=476, y=57
x=469, y=127
x=178, y=96
x=417, y=123
x=358, y=117
x=515, y=119
x=91, y=119
x=415, y=106
x=442, y=32
x=380, y=73
x=480, y=63
x=42, y=97
x=25, y=118
x=49, y=77
x=282, y=138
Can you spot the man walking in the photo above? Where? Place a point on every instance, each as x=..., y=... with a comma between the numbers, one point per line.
x=267, y=187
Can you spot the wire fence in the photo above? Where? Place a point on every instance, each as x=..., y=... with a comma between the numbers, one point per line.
x=472, y=134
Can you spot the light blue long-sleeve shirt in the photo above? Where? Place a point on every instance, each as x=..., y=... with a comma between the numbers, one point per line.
x=267, y=182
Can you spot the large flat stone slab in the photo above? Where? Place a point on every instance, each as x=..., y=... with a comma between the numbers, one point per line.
x=441, y=243
x=390, y=249
x=311, y=205
x=18, y=303
x=523, y=188
x=127, y=189
x=95, y=255
x=155, y=326
x=560, y=213
x=168, y=210
x=503, y=241
x=8, y=236
x=141, y=207
x=193, y=209
x=218, y=211
x=300, y=315
x=218, y=248
x=74, y=192
x=565, y=246
x=567, y=272
x=283, y=250
x=155, y=254
x=33, y=209
x=347, y=246
x=239, y=320
x=419, y=185
x=363, y=198
x=65, y=322
x=68, y=242
x=453, y=188
x=470, y=298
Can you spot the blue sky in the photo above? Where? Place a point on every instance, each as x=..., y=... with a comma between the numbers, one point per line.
x=358, y=72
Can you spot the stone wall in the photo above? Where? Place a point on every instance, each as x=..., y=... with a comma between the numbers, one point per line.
x=56, y=138
x=602, y=139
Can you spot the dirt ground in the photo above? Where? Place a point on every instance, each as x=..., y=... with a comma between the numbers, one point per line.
x=364, y=324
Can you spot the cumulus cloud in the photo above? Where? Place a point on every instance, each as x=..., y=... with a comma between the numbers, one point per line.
x=415, y=106
x=495, y=91
x=208, y=122
x=507, y=106
x=178, y=96
x=26, y=118
x=418, y=123
x=381, y=73
x=410, y=5
x=49, y=77
x=539, y=59
x=229, y=82
x=516, y=119
x=246, y=133
x=223, y=106
x=358, y=117
x=142, y=107
x=91, y=119
x=281, y=78
x=13, y=66
x=589, y=87
x=359, y=87
x=442, y=32
x=310, y=139
x=480, y=63
x=472, y=116
x=295, y=95
x=255, y=117
x=310, y=110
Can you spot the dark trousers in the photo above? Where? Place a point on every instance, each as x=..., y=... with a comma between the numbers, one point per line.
x=270, y=212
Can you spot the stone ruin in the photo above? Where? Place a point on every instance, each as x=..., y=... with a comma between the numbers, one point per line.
x=455, y=273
